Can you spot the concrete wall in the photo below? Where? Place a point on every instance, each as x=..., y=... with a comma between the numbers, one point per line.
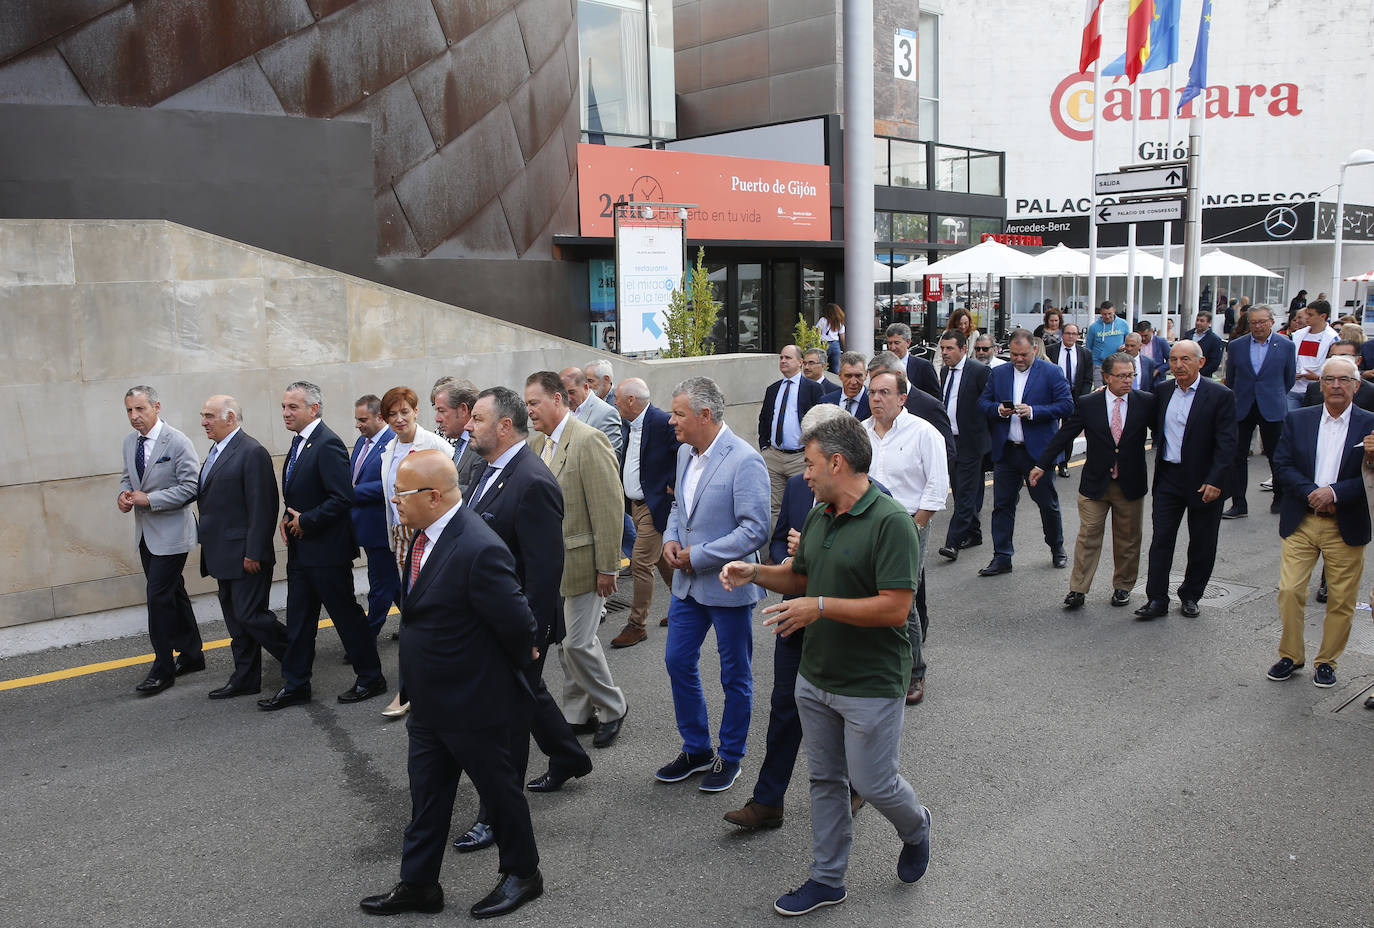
x=91, y=308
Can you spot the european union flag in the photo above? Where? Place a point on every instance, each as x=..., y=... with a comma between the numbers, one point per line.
x=1163, y=41
x=1197, y=74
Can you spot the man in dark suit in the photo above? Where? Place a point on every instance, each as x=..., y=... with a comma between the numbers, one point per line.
x=647, y=474
x=1195, y=441
x=920, y=373
x=238, y=518
x=320, y=551
x=1325, y=512
x=452, y=400
x=369, y=509
x=1145, y=376
x=519, y=499
x=963, y=381
x=784, y=403
x=851, y=396
x=1023, y=402
x=1261, y=367
x=468, y=632
x=1073, y=361
x=1364, y=396
x=1114, y=479
x=1208, y=341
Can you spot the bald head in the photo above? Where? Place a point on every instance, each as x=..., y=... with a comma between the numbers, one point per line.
x=631, y=398
x=426, y=488
x=220, y=416
x=575, y=380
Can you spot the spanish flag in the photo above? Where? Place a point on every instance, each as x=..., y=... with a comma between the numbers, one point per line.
x=1142, y=13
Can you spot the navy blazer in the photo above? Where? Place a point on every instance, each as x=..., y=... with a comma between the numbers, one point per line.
x=1082, y=367
x=974, y=438
x=524, y=506
x=797, y=503
x=920, y=375
x=1047, y=392
x=1209, y=437
x=1151, y=376
x=1090, y=417
x=1212, y=350
x=658, y=446
x=1268, y=387
x=1295, y=466
x=468, y=632
x=369, y=508
x=808, y=394
x=862, y=412
x=238, y=510
x=321, y=490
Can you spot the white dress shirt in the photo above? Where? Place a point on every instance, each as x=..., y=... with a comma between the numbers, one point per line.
x=432, y=533
x=1111, y=405
x=791, y=422
x=695, y=467
x=551, y=441
x=1176, y=419
x=633, y=487
x=1018, y=389
x=956, y=374
x=1067, y=352
x=910, y=461
x=215, y=451
x=851, y=404
x=1332, y=433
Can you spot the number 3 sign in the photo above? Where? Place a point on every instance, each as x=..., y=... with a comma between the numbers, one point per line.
x=904, y=55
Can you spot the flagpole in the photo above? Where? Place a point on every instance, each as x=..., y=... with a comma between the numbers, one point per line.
x=1168, y=226
x=1130, y=230
x=1092, y=191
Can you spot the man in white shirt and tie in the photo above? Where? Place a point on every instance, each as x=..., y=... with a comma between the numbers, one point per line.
x=785, y=402
x=852, y=396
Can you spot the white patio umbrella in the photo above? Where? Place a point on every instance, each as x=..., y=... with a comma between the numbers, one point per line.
x=1061, y=261
x=912, y=270
x=1366, y=277
x=1146, y=265
x=987, y=259
x=1219, y=264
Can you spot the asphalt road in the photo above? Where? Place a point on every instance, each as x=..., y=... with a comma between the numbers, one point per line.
x=1082, y=768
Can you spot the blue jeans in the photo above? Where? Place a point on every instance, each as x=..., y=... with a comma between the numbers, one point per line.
x=832, y=357
x=627, y=537
x=688, y=623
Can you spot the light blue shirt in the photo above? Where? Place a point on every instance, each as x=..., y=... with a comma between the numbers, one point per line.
x=1104, y=340
x=1176, y=418
x=791, y=422
x=1259, y=350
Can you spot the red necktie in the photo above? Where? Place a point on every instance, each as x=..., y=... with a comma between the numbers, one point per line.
x=1116, y=429
x=416, y=556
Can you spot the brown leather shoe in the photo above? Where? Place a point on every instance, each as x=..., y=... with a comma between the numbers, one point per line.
x=630, y=635
x=856, y=802
x=755, y=815
x=916, y=692
x=663, y=622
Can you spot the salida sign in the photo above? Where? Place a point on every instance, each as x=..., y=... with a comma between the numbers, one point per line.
x=1071, y=104
x=737, y=198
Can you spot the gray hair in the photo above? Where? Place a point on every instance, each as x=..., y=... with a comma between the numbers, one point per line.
x=1197, y=349
x=438, y=385
x=1261, y=309
x=601, y=368
x=885, y=361
x=633, y=387
x=145, y=390
x=853, y=357
x=313, y=397
x=231, y=405
x=1343, y=361
x=509, y=405
x=821, y=412
x=1112, y=361
x=843, y=435
x=456, y=393
x=898, y=328
x=816, y=352
x=703, y=393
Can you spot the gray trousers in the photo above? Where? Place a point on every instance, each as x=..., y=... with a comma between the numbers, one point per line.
x=587, y=683
x=853, y=741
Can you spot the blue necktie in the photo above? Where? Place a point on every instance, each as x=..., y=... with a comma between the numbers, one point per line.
x=291, y=460
x=209, y=462
x=139, y=464
x=482, y=484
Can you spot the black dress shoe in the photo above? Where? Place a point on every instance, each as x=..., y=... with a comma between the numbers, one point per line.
x=1321, y=593
x=229, y=690
x=995, y=568
x=1074, y=601
x=284, y=698
x=951, y=553
x=553, y=780
x=1369, y=702
x=1153, y=609
x=588, y=727
x=972, y=541
x=1189, y=608
x=510, y=894
x=1234, y=513
x=190, y=664
x=154, y=685
x=1059, y=559
x=360, y=691
x=1063, y=470
x=608, y=732
x=406, y=897
x=1121, y=597
x=476, y=838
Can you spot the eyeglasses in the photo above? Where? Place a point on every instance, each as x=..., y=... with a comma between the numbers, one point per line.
x=1345, y=380
x=400, y=493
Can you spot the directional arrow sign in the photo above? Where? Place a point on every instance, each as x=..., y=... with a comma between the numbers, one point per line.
x=1166, y=178
x=650, y=324
x=1149, y=211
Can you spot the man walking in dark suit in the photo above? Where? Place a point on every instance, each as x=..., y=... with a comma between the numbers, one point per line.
x=920, y=373
x=238, y=519
x=1145, y=376
x=519, y=499
x=1023, y=401
x=963, y=382
x=1114, y=479
x=369, y=510
x=1261, y=368
x=785, y=402
x=157, y=486
x=852, y=397
x=1073, y=361
x=1195, y=438
x=1208, y=342
x=452, y=400
x=320, y=551
x=467, y=634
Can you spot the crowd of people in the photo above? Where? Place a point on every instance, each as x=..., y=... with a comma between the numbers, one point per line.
x=831, y=506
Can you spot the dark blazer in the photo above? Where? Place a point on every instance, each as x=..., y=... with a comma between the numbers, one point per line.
x=797, y=503
x=1091, y=418
x=321, y=490
x=468, y=631
x=1364, y=395
x=1212, y=350
x=1150, y=374
x=238, y=510
x=658, y=446
x=524, y=506
x=470, y=464
x=920, y=375
x=1082, y=367
x=1295, y=465
x=974, y=440
x=1046, y=392
x=1209, y=437
x=808, y=394
x=862, y=411
x=1268, y=387
x=369, y=509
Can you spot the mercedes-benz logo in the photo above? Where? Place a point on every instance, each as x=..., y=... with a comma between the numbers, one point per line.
x=1281, y=222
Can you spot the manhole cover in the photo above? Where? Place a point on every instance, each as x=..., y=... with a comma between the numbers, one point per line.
x=1361, y=634
x=1219, y=593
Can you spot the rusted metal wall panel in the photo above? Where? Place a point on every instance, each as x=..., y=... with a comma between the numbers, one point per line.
x=27, y=23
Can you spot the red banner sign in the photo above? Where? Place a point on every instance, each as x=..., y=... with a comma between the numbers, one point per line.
x=934, y=288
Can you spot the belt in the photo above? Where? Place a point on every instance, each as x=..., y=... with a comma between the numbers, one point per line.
x=1018, y=444
x=787, y=450
x=1320, y=515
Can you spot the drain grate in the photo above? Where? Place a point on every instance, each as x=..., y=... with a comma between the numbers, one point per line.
x=1362, y=634
x=1218, y=594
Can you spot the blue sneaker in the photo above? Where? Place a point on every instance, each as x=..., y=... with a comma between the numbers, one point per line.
x=723, y=775
x=1283, y=669
x=684, y=765
x=915, y=858
x=1325, y=676
x=808, y=897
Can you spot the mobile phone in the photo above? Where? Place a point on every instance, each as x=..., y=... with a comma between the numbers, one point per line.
x=1007, y=404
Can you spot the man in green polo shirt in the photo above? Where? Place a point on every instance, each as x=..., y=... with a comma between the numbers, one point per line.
x=856, y=567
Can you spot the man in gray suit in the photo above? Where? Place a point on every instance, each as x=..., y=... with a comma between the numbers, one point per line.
x=158, y=485
x=453, y=401
x=590, y=408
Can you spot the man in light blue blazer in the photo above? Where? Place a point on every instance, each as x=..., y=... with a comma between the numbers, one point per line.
x=720, y=513
x=590, y=408
x=160, y=481
x=1260, y=370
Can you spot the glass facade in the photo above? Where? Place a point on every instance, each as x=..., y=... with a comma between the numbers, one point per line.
x=625, y=62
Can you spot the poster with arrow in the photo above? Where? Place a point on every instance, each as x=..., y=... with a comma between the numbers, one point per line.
x=649, y=265
x=1142, y=211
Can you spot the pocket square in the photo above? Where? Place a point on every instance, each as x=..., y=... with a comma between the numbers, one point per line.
x=164, y=459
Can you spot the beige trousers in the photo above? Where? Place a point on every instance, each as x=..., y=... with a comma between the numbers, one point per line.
x=1318, y=535
x=1127, y=522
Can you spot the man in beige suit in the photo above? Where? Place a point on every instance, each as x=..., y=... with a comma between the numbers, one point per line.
x=584, y=464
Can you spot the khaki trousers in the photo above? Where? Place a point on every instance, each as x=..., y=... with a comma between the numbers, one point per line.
x=781, y=465
x=1128, y=518
x=1344, y=564
x=646, y=555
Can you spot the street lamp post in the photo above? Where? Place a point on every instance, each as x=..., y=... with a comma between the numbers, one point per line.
x=1359, y=156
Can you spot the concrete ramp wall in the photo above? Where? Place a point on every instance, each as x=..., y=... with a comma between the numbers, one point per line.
x=88, y=309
